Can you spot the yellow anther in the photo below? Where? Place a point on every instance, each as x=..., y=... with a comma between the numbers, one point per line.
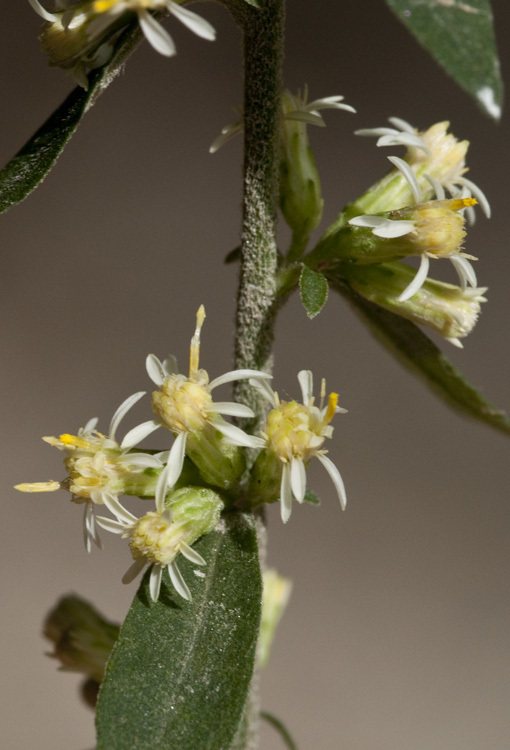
x=74, y=441
x=194, y=352
x=38, y=486
x=460, y=203
x=100, y=6
x=331, y=410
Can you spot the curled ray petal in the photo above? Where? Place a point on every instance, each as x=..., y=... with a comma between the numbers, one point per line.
x=404, y=139
x=401, y=124
x=134, y=570
x=108, y=524
x=155, y=370
x=409, y=175
x=310, y=118
x=193, y=21
x=155, y=582
x=91, y=425
x=42, y=12
x=144, y=460
x=264, y=389
x=366, y=220
x=235, y=436
x=335, y=477
x=170, y=366
x=477, y=193
x=176, y=459
x=162, y=488
x=231, y=409
x=122, y=411
x=138, y=433
x=118, y=510
x=155, y=34
x=178, y=581
x=465, y=271
x=298, y=478
x=436, y=187
x=397, y=228
x=228, y=377
x=191, y=554
x=305, y=380
x=418, y=281
x=376, y=131
x=285, y=493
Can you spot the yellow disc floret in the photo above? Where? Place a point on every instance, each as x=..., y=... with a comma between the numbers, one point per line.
x=183, y=404
x=154, y=537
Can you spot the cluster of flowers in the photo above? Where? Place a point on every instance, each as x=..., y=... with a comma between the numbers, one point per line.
x=203, y=471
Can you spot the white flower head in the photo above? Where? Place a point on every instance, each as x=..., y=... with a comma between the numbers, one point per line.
x=184, y=405
x=434, y=229
x=98, y=468
x=436, y=157
x=295, y=433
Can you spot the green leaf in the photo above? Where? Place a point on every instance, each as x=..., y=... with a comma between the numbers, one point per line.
x=30, y=165
x=459, y=34
x=314, y=291
x=421, y=357
x=312, y=498
x=280, y=728
x=180, y=672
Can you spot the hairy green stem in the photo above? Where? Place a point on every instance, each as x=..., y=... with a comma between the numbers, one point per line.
x=263, y=57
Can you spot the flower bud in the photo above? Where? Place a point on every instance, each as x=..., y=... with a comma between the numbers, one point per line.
x=82, y=638
x=447, y=309
x=276, y=595
x=300, y=189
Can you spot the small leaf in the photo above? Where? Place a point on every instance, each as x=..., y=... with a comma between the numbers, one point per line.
x=459, y=34
x=314, y=291
x=280, y=728
x=32, y=163
x=421, y=357
x=312, y=498
x=180, y=672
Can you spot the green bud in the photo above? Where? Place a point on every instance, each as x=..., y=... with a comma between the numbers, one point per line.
x=82, y=638
x=219, y=464
x=276, y=595
x=445, y=308
x=300, y=189
x=265, y=479
x=195, y=512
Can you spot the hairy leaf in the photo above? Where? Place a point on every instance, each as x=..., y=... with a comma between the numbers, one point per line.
x=33, y=162
x=180, y=672
x=419, y=355
x=459, y=34
x=314, y=291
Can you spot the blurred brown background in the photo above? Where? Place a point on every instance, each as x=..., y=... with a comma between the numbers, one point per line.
x=397, y=634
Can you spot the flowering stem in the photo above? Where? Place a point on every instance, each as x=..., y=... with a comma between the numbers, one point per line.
x=263, y=55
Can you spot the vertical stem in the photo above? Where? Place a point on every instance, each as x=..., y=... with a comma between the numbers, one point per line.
x=263, y=55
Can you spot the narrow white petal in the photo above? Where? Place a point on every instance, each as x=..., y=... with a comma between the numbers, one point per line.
x=176, y=458
x=404, y=139
x=231, y=409
x=138, y=433
x=178, y=581
x=170, y=366
x=155, y=34
x=436, y=186
x=155, y=370
x=409, y=175
x=228, y=377
x=191, y=554
x=194, y=22
x=465, y=271
x=110, y=525
x=91, y=425
x=133, y=570
x=298, y=478
x=143, y=460
x=377, y=132
x=367, y=220
x=310, y=118
x=265, y=390
x=121, y=411
x=86, y=533
x=236, y=436
x=155, y=582
x=305, y=380
x=42, y=12
x=285, y=494
x=418, y=280
x=455, y=341
x=397, y=228
x=336, y=478
x=401, y=124
x=118, y=510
